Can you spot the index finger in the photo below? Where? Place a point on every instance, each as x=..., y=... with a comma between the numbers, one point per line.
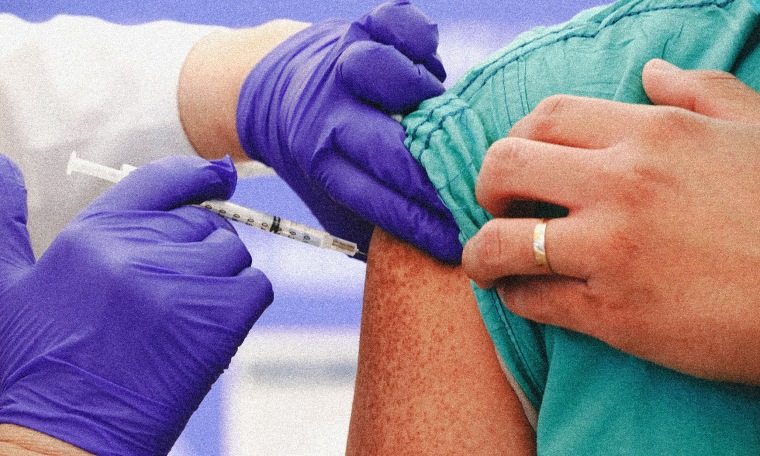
x=415, y=221
x=380, y=74
x=405, y=27
x=374, y=142
x=580, y=122
x=712, y=93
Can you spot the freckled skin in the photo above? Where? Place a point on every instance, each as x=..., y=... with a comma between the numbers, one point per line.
x=428, y=380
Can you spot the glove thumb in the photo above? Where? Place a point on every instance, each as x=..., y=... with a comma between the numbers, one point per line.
x=169, y=183
x=15, y=246
x=712, y=93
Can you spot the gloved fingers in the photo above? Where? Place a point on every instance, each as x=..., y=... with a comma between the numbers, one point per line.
x=15, y=245
x=434, y=64
x=184, y=224
x=432, y=232
x=422, y=224
x=192, y=223
x=375, y=145
x=335, y=218
x=381, y=75
x=254, y=291
x=169, y=183
x=223, y=254
x=341, y=222
x=230, y=304
x=402, y=25
x=220, y=254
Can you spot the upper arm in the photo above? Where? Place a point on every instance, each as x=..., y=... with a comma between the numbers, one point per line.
x=428, y=379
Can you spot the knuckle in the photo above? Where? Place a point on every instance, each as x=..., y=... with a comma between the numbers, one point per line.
x=505, y=159
x=720, y=94
x=505, y=149
x=229, y=241
x=639, y=185
x=264, y=290
x=618, y=249
x=669, y=125
x=85, y=246
x=624, y=248
x=706, y=78
x=81, y=238
x=553, y=104
x=542, y=120
x=70, y=236
x=491, y=244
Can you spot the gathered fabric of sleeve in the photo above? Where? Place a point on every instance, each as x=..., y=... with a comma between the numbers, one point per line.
x=590, y=397
x=106, y=91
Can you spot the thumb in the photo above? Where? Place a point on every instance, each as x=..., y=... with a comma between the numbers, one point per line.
x=169, y=183
x=712, y=93
x=15, y=246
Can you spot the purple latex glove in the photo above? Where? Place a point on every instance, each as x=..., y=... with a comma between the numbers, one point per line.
x=112, y=339
x=316, y=110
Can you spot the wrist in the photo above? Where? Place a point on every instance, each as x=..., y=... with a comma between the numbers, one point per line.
x=210, y=83
x=89, y=411
x=19, y=440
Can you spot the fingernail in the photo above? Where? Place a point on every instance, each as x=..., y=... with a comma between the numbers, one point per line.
x=663, y=66
x=469, y=250
x=502, y=294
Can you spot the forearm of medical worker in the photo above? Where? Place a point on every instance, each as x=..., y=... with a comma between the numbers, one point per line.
x=659, y=253
x=314, y=102
x=114, y=336
x=18, y=440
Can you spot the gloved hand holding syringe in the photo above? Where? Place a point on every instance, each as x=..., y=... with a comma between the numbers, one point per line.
x=232, y=211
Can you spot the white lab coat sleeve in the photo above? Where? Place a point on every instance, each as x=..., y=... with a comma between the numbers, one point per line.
x=81, y=84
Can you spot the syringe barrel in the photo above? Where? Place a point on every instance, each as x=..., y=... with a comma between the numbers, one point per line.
x=277, y=225
x=232, y=211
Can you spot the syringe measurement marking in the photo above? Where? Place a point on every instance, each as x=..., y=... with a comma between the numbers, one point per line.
x=273, y=224
x=292, y=232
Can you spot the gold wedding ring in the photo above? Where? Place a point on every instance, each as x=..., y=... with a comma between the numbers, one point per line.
x=539, y=247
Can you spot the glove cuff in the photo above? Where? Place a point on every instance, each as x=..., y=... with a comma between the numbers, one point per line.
x=73, y=405
x=268, y=82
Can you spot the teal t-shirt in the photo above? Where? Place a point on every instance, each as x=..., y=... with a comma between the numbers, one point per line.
x=591, y=398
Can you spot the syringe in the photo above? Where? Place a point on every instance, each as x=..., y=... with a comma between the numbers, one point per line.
x=231, y=211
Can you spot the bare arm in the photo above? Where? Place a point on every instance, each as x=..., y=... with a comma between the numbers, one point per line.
x=428, y=380
x=211, y=79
